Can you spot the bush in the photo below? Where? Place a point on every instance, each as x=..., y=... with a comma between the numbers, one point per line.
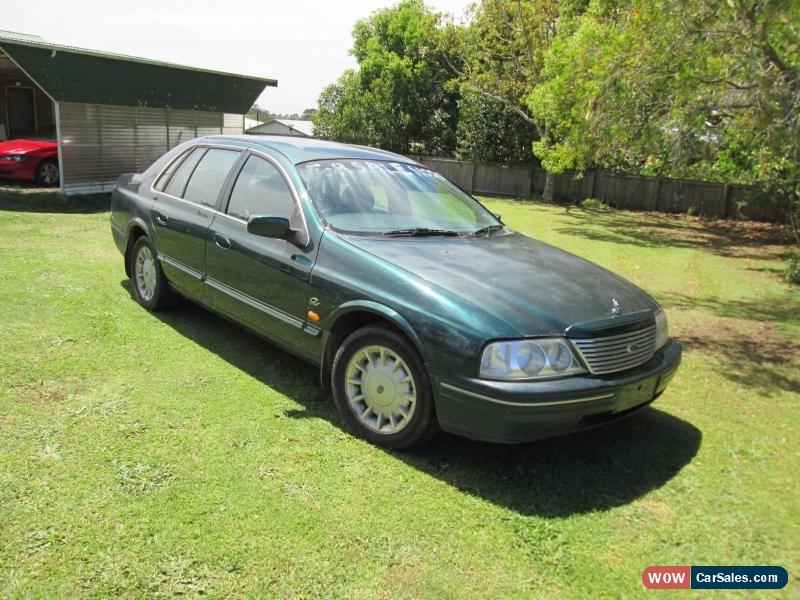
x=793, y=272
x=593, y=204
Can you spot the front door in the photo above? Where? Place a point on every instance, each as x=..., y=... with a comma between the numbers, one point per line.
x=21, y=112
x=260, y=281
x=182, y=212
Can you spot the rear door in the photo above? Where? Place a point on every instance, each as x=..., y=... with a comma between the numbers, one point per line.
x=187, y=198
x=260, y=281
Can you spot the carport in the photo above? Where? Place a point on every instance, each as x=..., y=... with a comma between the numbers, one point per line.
x=113, y=114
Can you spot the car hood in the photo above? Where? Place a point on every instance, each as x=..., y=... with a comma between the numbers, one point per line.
x=535, y=288
x=20, y=146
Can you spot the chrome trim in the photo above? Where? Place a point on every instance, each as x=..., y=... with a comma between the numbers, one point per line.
x=290, y=184
x=619, y=336
x=453, y=388
x=312, y=330
x=240, y=296
x=180, y=266
x=613, y=353
x=253, y=303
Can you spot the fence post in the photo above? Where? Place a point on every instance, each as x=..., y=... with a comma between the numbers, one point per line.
x=726, y=201
x=472, y=177
x=591, y=187
x=657, y=203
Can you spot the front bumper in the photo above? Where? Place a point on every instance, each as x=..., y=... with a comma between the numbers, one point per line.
x=502, y=411
x=23, y=171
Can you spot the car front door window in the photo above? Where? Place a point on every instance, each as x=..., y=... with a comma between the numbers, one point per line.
x=260, y=190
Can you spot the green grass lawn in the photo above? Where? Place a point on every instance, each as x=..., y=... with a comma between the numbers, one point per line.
x=162, y=454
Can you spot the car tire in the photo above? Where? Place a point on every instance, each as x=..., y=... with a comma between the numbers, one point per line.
x=150, y=286
x=382, y=390
x=47, y=174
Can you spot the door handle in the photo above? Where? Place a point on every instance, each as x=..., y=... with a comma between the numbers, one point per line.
x=221, y=241
x=161, y=219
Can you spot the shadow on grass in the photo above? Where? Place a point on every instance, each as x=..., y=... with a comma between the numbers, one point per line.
x=778, y=309
x=738, y=239
x=759, y=362
x=19, y=198
x=585, y=472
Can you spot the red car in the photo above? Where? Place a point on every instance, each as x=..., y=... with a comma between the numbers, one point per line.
x=31, y=159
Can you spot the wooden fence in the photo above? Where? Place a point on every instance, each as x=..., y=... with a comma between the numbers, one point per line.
x=662, y=194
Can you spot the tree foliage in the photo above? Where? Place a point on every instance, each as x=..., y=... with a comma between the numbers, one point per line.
x=694, y=88
x=489, y=131
x=399, y=98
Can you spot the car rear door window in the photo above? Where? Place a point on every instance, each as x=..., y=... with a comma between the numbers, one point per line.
x=206, y=181
x=178, y=181
x=260, y=189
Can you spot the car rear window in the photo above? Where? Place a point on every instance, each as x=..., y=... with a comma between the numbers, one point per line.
x=207, y=179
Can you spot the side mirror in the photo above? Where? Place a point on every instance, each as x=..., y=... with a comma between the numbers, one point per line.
x=497, y=216
x=270, y=227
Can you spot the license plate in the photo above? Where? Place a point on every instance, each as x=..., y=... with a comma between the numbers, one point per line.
x=636, y=393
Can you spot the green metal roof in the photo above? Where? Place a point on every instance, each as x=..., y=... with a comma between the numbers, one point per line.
x=69, y=74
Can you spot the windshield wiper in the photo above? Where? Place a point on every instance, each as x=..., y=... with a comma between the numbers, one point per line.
x=419, y=232
x=488, y=229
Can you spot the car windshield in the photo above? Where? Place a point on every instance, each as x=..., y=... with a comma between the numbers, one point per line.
x=371, y=197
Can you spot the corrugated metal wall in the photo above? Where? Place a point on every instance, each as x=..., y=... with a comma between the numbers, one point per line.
x=99, y=142
x=232, y=123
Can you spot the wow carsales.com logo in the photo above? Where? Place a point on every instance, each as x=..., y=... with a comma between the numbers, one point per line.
x=698, y=578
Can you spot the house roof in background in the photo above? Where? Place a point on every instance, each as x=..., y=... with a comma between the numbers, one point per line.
x=304, y=127
x=69, y=74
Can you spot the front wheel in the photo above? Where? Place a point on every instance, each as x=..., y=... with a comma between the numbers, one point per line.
x=150, y=286
x=382, y=389
x=47, y=173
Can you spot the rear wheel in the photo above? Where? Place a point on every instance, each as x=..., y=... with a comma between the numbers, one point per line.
x=150, y=286
x=47, y=173
x=382, y=389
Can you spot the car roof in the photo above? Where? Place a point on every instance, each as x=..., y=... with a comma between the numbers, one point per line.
x=302, y=149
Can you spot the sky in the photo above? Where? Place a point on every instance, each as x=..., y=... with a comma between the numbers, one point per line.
x=302, y=43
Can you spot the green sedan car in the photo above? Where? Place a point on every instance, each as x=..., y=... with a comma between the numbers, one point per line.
x=422, y=309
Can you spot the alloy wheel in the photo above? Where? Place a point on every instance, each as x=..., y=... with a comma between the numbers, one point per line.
x=145, y=274
x=380, y=389
x=48, y=174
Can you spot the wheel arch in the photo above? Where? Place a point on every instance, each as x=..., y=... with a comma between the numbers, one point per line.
x=136, y=229
x=354, y=315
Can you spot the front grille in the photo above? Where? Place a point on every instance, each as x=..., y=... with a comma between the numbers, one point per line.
x=617, y=352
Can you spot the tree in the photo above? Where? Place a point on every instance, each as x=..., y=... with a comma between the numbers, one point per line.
x=259, y=113
x=344, y=111
x=694, y=88
x=399, y=96
x=489, y=131
x=503, y=53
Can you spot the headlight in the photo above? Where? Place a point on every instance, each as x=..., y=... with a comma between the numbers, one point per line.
x=662, y=328
x=529, y=359
x=15, y=157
